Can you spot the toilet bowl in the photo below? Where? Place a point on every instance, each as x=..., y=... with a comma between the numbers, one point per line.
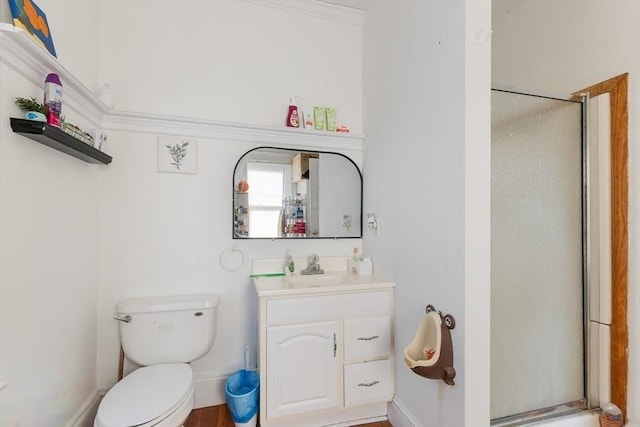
x=161, y=334
x=159, y=396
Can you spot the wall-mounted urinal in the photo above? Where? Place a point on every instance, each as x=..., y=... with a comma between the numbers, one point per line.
x=430, y=354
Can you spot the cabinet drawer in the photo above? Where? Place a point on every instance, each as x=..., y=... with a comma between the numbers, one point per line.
x=326, y=307
x=368, y=382
x=367, y=337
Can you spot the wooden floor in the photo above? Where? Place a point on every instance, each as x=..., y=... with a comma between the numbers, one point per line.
x=219, y=416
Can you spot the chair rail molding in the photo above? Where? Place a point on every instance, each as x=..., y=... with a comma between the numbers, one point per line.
x=231, y=131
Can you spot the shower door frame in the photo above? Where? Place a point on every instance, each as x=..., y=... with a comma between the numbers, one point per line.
x=617, y=88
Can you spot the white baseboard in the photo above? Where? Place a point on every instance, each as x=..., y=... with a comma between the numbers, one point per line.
x=210, y=390
x=400, y=416
x=87, y=412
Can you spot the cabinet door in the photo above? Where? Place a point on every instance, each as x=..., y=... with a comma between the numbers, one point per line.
x=303, y=368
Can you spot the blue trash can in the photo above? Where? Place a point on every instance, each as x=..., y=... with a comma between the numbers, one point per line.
x=242, y=391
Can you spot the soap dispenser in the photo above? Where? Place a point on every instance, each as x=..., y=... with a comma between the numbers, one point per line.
x=293, y=121
x=289, y=265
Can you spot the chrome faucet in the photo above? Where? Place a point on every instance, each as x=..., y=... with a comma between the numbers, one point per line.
x=313, y=267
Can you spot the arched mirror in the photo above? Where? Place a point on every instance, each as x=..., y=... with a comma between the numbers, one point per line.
x=284, y=193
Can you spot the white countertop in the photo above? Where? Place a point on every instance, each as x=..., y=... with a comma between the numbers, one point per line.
x=330, y=282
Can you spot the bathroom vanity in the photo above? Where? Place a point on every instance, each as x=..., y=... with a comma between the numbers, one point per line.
x=326, y=347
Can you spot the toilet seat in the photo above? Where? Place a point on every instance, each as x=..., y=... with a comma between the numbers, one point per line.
x=147, y=396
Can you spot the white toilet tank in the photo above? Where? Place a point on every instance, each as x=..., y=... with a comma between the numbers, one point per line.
x=172, y=329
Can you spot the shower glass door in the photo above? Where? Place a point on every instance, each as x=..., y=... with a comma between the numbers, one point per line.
x=537, y=256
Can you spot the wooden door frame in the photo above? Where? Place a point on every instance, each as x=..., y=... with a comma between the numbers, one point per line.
x=616, y=87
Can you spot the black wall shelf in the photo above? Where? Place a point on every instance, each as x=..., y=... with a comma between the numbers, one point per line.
x=58, y=139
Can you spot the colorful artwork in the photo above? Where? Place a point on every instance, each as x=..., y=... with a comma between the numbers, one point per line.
x=28, y=16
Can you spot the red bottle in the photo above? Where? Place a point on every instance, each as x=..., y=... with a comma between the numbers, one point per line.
x=293, y=121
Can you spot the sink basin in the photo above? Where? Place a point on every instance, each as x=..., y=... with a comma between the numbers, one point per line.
x=317, y=280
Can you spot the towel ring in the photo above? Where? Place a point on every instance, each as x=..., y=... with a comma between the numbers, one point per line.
x=231, y=259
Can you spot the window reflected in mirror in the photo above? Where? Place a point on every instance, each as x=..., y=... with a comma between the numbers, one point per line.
x=284, y=193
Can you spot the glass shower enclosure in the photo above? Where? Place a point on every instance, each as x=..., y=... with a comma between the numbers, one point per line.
x=538, y=253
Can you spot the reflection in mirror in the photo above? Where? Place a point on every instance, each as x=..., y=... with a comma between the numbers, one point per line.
x=284, y=193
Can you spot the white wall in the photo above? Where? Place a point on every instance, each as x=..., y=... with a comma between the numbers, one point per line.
x=557, y=48
x=225, y=60
x=477, y=211
x=74, y=29
x=48, y=263
x=67, y=247
x=48, y=276
x=416, y=175
x=229, y=60
x=163, y=233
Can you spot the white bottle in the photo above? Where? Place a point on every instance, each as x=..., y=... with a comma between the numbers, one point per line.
x=105, y=95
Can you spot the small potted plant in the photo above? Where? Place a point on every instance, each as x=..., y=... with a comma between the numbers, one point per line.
x=33, y=109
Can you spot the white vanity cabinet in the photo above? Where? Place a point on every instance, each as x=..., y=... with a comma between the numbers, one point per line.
x=326, y=357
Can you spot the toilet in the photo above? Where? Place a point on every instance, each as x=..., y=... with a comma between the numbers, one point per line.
x=161, y=334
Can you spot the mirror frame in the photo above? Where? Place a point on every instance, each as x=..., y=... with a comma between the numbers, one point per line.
x=295, y=150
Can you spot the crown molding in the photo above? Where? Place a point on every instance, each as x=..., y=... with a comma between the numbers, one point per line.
x=32, y=61
x=333, y=12
x=230, y=131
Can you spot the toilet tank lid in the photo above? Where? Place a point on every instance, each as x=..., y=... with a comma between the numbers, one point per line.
x=168, y=303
